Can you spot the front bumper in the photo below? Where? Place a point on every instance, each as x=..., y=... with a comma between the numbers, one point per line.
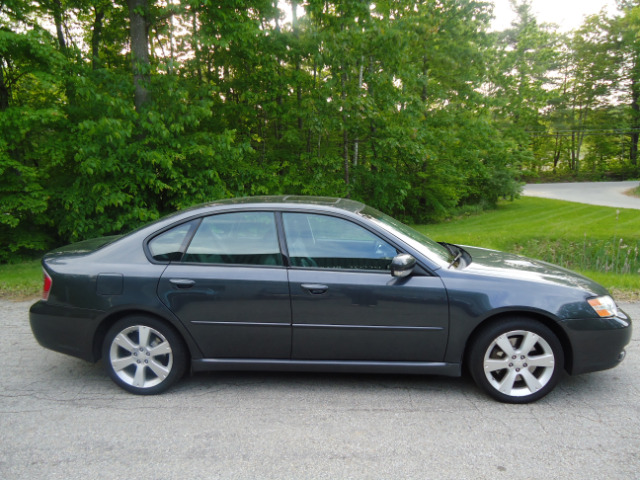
x=597, y=343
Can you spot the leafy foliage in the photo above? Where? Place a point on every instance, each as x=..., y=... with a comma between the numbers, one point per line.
x=414, y=107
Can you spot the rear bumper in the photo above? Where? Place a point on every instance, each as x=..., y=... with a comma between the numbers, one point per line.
x=63, y=329
x=597, y=343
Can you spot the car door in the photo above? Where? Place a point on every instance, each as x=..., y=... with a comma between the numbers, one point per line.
x=230, y=288
x=345, y=303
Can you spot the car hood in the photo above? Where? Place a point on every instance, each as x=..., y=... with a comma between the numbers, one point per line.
x=506, y=265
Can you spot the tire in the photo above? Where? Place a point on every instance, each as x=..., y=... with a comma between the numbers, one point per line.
x=516, y=361
x=144, y=355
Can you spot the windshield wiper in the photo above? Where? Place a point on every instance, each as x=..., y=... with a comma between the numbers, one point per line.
x=455, y=259
x=457, y=255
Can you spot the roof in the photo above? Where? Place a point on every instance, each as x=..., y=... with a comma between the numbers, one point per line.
x=341, y=203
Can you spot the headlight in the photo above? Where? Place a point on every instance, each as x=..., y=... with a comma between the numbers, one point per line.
x=604, y=306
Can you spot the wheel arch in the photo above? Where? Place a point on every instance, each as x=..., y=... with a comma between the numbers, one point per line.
x=110, y=319
x=548, y=322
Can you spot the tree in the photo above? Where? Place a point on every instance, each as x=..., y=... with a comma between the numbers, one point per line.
x=588, y=75
x=125, y=111
x=30, y=125
x=528, y=54
x=625, y=33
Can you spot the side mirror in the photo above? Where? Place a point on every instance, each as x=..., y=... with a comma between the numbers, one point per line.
x=402, y=265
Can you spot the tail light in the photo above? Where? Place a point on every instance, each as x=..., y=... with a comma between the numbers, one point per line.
x=47, y=285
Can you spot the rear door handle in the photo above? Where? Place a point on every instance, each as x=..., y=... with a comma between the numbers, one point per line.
x=315, y=288
x=182, y=282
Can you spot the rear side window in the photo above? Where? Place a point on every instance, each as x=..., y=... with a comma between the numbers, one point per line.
x=169, y=246
x=246, y=238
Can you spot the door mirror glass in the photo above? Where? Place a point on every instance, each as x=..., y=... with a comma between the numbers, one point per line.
x=402, y=265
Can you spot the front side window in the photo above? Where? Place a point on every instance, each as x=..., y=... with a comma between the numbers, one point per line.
x=322, y=241
x=247, y=238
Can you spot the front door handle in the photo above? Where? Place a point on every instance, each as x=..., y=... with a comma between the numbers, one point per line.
x=315, y=288
x=182, y=282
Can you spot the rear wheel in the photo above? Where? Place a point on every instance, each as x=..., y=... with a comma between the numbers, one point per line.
x=516, y=361
x=144, y=355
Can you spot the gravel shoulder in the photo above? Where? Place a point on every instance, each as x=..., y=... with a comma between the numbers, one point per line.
x=63, y=418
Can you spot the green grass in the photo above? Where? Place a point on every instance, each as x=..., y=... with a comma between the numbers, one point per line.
x=600, y=242
x=21, y=280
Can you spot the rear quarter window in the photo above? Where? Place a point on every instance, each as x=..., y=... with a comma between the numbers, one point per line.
x=169, y=246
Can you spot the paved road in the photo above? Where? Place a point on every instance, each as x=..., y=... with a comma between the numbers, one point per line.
x=608, y=194
x=62, y=418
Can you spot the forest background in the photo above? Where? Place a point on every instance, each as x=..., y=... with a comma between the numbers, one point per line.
x=113, y=113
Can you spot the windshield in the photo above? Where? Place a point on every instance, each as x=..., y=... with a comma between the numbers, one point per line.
x=429, y=248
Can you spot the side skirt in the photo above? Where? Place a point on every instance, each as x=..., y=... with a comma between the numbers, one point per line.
x=231, y=364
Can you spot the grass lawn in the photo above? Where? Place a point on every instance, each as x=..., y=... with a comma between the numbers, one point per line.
x=600, y=242
x=21, y=280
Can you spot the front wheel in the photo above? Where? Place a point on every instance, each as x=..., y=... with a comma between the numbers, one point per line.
x=143, y=355
x=516, y=361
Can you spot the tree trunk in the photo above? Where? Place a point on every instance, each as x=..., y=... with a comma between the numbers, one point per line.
x=294, y=25
x=345, y=135
x=139, y=50
x=357, y=140
x=4, y=89
x=423, y=95
x=95, y=38
x=573, y=150
x=309, y=132
x=556, y=152
x=582, y=117
x=635, y=121
x=345, y=143
x=194, y=44
x=57, y=18
x=277, y=19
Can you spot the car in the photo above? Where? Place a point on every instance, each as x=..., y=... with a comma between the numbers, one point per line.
x=316, y=284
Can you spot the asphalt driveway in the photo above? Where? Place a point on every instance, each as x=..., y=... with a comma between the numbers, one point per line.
x=62, y=418
x=607, y=194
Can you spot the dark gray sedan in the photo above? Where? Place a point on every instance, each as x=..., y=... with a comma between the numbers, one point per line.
x=319, y=284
